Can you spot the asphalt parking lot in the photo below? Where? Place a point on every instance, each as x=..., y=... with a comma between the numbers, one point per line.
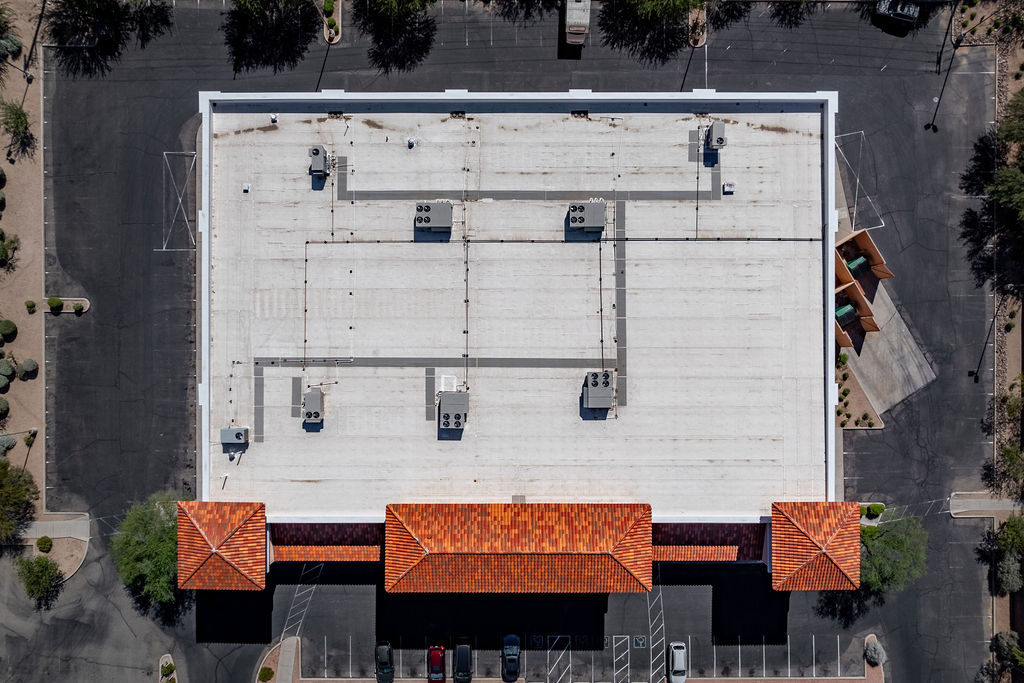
x=120, y=377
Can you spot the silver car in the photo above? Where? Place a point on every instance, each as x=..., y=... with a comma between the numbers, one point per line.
x=677, y=662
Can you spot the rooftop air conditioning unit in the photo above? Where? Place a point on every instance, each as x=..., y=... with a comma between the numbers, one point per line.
x=313, y=406
x=234, y=435
x=453, y=409
x=433, y=216
x=599, y=389
x=716, y=135
x=319, y=161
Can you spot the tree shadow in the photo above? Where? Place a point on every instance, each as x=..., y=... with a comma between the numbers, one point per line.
x=89, y=37
x=652, y=42
x=723, y=14
x=847, y=607
x=276, y=38
x=788, y=14
x=399, y=42
x=166, y=613
x=522, y=12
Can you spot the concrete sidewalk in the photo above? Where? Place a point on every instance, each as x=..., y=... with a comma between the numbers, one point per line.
x=69, y=528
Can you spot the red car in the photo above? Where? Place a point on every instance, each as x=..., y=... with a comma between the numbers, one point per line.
x=435, y=664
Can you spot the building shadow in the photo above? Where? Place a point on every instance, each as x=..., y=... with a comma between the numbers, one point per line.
x=442, y=618
x=744, y=607
x=234, y=616
x=334, y=573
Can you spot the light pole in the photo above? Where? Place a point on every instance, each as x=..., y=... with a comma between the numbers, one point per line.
x=938, y=100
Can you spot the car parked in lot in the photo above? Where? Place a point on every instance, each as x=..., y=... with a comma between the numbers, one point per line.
x=510, y=659
x=463, y=672
x=677, y=662
x=901, y=11
x=435, y=664
x=383, y=662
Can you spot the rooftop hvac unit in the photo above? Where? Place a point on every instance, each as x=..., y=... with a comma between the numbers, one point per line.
x=319, y=161
x=587, y=216
x=453, y=409
x=598, y=389
x=434, y=216
x=313, y=406
x=234, y=435
x=716, y=135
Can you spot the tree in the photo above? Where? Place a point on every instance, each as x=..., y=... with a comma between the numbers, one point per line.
x=42, y=579
x=27, y=369
x=1006, y=646
x=14, y=120
x=892, y=554
x=1008, y=574
x=145, y=549
x=271, y=34
x=1010, y=538
x=18, y=493
x=91, y=35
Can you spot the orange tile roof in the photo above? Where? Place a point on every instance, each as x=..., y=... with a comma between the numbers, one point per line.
x=696, y=553
x=815, y=546
x=326, y=553
x=222, y=546
x=518, y=548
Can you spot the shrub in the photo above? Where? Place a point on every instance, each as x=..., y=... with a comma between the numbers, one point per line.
x=3, y=180
x=1008, y=574
x=846, y=404
x=328, y=7
x=874, y=653
x=974, y=30
x=863, y=510
x=839, y=412
x=1004, y=644
x=6, y=369
x=997, y=23
x=167, y=669
x=7, y=442
x=974, y=15
x=865, y=416
x=1009, y=326
x=964, y=23
x=266, y=673
x=842, y=359
x=5, y=384
x=27, y=369
x=875, y=509
x=857, y=422
x=843, y=423
x=78, y=307
x=30, y=439
x=41, y=577
x=8, y=330
x=45, y=544
x=55, y=302
x=846, y=376
x=871, y=423
x=332, y=24
x=30, y=306
x=846, y=392
x=5, y=408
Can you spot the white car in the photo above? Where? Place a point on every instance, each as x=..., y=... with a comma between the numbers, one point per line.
x=677, y=662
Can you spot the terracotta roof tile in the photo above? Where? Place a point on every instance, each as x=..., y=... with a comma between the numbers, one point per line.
x=222, y=546
x=326, y=553
x=815, y=546
x=518, y=548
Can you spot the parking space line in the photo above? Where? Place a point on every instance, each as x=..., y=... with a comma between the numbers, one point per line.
x=620, y=660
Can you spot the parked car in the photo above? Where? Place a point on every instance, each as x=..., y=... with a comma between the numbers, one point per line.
x=677, y=662
x=902, y=11
x=463, y=672
x=435, y=664
x=510, y=659
x=384, y=666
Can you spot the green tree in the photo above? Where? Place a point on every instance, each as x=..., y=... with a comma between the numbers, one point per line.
x=892, y=554
x=145, y=549
x=14, y=120
x=1010, y=538
x=18, y=493
x=1006, y=646
x=42, y=579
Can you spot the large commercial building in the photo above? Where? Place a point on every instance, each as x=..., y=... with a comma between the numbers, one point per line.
x=517, y=342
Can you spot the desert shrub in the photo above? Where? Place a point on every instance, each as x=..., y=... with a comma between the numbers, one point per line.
x=5, y=408
x=332, y=24
x=7, y=442
x=5, y=384
x=875, y=509
x=874, y=653
x=30, y=438
x=45, y=544
x=167, y=669
x=55, y=302
x=1005, y=645
x=27, y=369
x=8, y=330
x=30, y=306
x=78, y=307
x=266, y=673
x=1008, y=574
x=6, y=369
x=328, y=7
x=863, y=510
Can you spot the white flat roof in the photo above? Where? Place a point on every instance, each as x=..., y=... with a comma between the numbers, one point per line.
x=714, y=309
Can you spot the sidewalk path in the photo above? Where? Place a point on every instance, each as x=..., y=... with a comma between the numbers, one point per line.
x=286, y=662
x=70, y=528
x=973, y=504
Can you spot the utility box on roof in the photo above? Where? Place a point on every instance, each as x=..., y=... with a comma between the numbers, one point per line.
x=453, y=409
x=716, y=135
x=234, y=435
x=434, y=216
x=319, y=165
x=598, y=389
x=313, y=406
x=587, y=216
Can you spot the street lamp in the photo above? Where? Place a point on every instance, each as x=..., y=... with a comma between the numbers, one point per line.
x=938, y=100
